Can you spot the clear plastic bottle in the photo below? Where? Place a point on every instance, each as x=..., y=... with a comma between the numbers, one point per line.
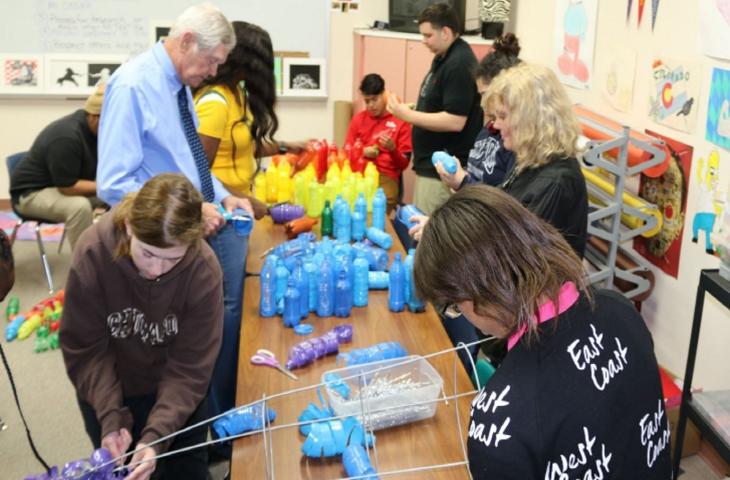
x=360, y=288
x=396, y=287
x=379, y=206
x=343, y=295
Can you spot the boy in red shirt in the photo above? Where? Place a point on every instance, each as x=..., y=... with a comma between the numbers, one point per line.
x=386, y=140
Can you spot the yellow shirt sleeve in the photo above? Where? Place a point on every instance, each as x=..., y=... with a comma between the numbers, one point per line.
x=212, y=113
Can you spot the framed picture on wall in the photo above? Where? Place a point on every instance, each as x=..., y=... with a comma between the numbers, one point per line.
x=79, y=74
x=21, y=73
x=305, y=77
x=159, y=30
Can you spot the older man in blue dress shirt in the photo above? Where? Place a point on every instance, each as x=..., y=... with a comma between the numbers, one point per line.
x=147, y=114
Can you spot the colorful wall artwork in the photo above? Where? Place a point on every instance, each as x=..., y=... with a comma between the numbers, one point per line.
x=710, y=201
x=718, y=109
x=673, y=94
x=575, y=37
x=714, y=28
x=669, y=193
x=617, y=79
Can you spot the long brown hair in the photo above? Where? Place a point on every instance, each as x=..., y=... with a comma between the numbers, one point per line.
x=164, y=213
x=483, y=246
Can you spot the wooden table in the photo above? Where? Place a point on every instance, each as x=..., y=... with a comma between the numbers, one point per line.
x=421, y=444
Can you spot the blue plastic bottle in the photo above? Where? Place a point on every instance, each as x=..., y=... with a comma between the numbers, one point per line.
x=396, y=287
x=343, y=224
x=378, y=280
x=267, y=303
x=343, y=295
x=301, y=281
x=380, y=237
x=325, y=289
x=241, y=220
x=360, y=285
x=415, y=304
x=446, y=160
x=404, y=214
x=361, y=205
x=282, y=277
x=292, y=305
x=312, y=274
x=379, y=204
x=358, y=225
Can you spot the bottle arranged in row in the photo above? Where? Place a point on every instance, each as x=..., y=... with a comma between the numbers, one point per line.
x=396, y=286
x=415, y=304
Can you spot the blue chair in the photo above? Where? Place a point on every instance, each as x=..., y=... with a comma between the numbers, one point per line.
x=12, y=162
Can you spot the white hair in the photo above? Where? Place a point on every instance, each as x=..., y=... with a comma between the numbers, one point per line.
x=207, y=23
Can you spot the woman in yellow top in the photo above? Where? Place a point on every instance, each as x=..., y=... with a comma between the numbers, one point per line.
x=236, y=113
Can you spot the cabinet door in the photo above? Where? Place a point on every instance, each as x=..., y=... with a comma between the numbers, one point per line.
x=418, y=63
x=481, y=50
x=386, y=57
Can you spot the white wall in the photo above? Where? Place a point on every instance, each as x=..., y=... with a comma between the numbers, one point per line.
x=669, y=311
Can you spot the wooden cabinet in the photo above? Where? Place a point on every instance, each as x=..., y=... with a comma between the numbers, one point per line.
x=403, y=62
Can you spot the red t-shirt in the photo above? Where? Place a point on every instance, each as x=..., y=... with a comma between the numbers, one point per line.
x=367, y=128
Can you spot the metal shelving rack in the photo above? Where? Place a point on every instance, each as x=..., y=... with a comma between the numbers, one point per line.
x=710, y=282
x=604, y=219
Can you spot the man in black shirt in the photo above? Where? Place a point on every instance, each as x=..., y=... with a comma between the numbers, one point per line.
x=56, y=181
x=447, y=116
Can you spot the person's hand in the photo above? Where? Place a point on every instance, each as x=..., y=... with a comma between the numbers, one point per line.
x=417, y=230
x=212, y=218
x=386, y=141
x=260, y=210
x=397, y=108
x=452, y=180
x=298, y=146
x=371, y=152
x=117, y=443
x=142, y=471
x=231, y=203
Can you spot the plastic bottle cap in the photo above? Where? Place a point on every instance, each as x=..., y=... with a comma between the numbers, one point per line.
x=303, y=329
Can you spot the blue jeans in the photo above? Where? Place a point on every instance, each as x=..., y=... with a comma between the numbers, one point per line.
x=231, y=251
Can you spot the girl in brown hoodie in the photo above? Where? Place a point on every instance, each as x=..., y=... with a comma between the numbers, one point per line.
x=142, y=327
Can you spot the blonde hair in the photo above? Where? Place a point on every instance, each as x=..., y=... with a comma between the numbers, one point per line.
x=540, y=114
x=165, y=212
x=208, y=24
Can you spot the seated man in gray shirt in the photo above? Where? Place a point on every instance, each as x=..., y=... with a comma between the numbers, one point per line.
x=56, y=181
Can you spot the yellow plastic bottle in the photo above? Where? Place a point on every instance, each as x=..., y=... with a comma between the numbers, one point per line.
x=283, y=182
x=271, y=183
x=334, y=172
x=259, y=187
x=371, y=171
x=314, y=200
x=301, y=186
x=370, y=192
x=346, y=172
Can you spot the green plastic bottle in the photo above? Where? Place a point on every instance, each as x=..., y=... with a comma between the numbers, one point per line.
x=326, y=222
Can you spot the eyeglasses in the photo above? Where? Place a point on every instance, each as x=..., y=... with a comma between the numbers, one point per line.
x=452, y=310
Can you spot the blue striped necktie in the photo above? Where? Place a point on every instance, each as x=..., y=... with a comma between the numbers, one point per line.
x=201, y=161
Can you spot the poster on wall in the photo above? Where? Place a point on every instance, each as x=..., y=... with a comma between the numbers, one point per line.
x=617, y=80
x=673, y=93
x=714, y=28
x=21, y=73
x=575, y=38
x=710, y=199
x=669, y=193
x=718, y=109
x=79, y=74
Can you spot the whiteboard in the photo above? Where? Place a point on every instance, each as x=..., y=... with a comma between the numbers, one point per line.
x=125, y=26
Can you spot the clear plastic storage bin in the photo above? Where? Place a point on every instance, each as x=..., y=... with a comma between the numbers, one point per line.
x=386, y=393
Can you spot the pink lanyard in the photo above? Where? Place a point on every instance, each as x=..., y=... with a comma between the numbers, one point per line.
x=567, y=297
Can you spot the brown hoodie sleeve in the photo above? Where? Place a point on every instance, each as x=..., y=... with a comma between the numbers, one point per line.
x=84, y=340
x=192, y=355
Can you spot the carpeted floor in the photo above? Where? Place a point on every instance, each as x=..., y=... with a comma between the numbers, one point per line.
x=47, y=397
